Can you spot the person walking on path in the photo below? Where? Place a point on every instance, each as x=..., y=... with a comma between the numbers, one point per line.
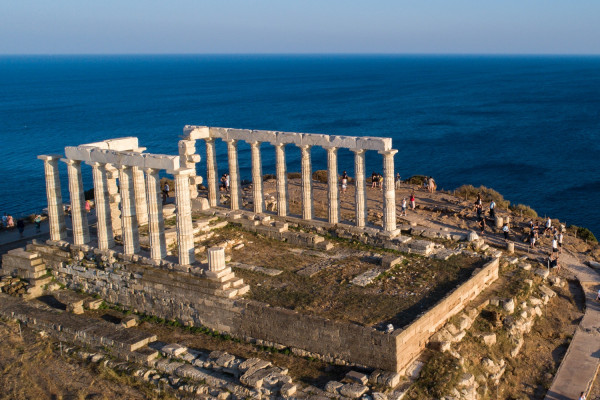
x=403, y=213
x=482, y=225
x=227, y=182
x=10, y=222
x=88, y=206
x=21, y=226
x=412, y=200
x=165, y=193
x=555, y=245
x=38, y=223
x=548, y=227
x=398, y=181
x=493, y=209
x=582, y=396
x=373, y=180
x=344, y=182
x=532, y=238
x=560, y=242
x=479, y=210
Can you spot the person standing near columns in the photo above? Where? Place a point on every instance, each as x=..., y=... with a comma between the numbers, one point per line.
x=389, y=192
x=257, y=189
x=156, y=223
x=234, y=175
x=81, y=232
x=56, y=213
x=307, y=196
x=332, y=181
x=280, y=170
x=211, y=172
x=360, y=186
x=106, y=239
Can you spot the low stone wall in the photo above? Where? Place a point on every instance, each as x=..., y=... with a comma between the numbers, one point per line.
x=412, y=340
x=193, y=300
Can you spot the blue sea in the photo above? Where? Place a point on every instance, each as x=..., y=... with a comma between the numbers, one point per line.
x=528, y=127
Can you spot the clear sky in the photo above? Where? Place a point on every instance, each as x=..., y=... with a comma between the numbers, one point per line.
x=299, y=26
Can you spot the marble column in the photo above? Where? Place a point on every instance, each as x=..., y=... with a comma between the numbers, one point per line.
x=389, y=191
x=185, y=229
x=234, y=175
x=280, y=170
x=112, y=175
x=257, y=189
x=332, y=183
x=106, y=239
x=139, y=190
x=56, y=212
x=156, y=223
x=216, y=259
x=307, y=195
x=81, y=230
x=211, y=173
x=129, y=226
x=360, y=188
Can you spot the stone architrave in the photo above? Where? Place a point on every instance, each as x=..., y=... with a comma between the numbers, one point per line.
x=130, y=233
x=106, y=239
x=389, y=191
x=81, y=230
x=257, y=189
x=139, y=190
x=332, y=186
x=114, y=198
x=216, y=259
x=307, y=195
x=185, y=229
x=211, y=173
x=56, y=213
x=360, y=188
x=234, y=174
x=156, y=223
x=280, y=171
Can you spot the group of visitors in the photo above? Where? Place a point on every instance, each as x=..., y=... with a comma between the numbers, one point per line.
x=429, y=184
x=225, y=182
x=8, y=222
x=376, y=180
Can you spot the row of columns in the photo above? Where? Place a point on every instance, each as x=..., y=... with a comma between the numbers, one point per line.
x=389, y=194
x=140, y=194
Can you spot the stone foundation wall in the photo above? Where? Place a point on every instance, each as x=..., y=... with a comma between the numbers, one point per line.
x=192, y=300
x=412, y=340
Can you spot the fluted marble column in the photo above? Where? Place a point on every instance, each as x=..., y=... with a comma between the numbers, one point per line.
x=139, y=190
x=216, y=258
x=106, y=239
x=307, y=195
x=280, y=170
x=389, y=191
x=211, y=173
x=156, y=223
x=332, y=183
x=185, y=229
x=129, y=229
x=56, y=212
x=360, y=187
x=257, y=188
x=81, y=230
x=234, y=174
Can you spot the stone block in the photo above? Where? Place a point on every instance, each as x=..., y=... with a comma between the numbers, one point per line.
x=173, y=349
x=357, y=377
x=238, y=134
x=414, y=370
x=123, y=144
x=542, y=272
x=263, y=136
x=333, y=387
x=78, y=153
x=194, y=132
x=389, y=261
x=160, y=161
x=288, y=389
x=353, y=390
x=219, y=133
x=348, y=142
x=374, y=143
x=129, y=322
x=289, y=138
x=489, y=339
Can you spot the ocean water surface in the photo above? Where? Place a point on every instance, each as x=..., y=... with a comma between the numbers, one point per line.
x=528, y=127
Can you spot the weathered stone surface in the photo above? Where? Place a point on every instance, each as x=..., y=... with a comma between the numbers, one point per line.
x=353, y=390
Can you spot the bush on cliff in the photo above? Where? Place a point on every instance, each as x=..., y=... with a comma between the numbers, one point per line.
x=320, y=176
x=470, y=192
x=416, y=180
x=524, y=210
x=582, y=233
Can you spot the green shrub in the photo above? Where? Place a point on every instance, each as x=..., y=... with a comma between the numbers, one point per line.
x=294, y=175
x=320, y=176
x=470, y=192
x=438, y=377
x=416, y=180
x=526, y=211
x=582, y=233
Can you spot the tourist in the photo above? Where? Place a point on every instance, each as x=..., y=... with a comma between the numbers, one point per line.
x=431, y=185
x=505, y=230
x=38, y=223
x=227, y=182
x=553, y=262
x=344, y=182
x=21, y=226
x=532, y=238
x=493, y=209
x=479, y=209
x=398, y=181
x=598, y=295
x=482, y=225
x=412, y=200
x=373, y=180
x=560, y=242
x=403, y=213
x=426, y=183
x=10, y=223
x=5, y=220
x=88, y=206
x=555, y=245
x=536, y=230
x=165, y=193
x=478, y=200
x=582, y=396
x=548, y=226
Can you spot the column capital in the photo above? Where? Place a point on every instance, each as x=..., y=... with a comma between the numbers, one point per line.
x=358, y=151
x=253, y=143
x=331, y=149
x=388, y=152
x=49, y=157
x=181, y=171
x=231, y=141
x=151, y=170
x=95, y=164
x=209, y=139
x=68, y=161
x=304, y=146
x=279, y=145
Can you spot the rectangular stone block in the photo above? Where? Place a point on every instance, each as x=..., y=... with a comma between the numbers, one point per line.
x=161, y=161
x=315, y=139
x=238, y=134
x=219, y=133
x=78, y=153
x=348, y=142
x=289, y=137
x=264, y=136
x=374, y=143
x=123, y=144
x=196, y=132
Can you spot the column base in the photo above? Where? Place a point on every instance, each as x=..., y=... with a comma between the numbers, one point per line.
x=390, y=234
